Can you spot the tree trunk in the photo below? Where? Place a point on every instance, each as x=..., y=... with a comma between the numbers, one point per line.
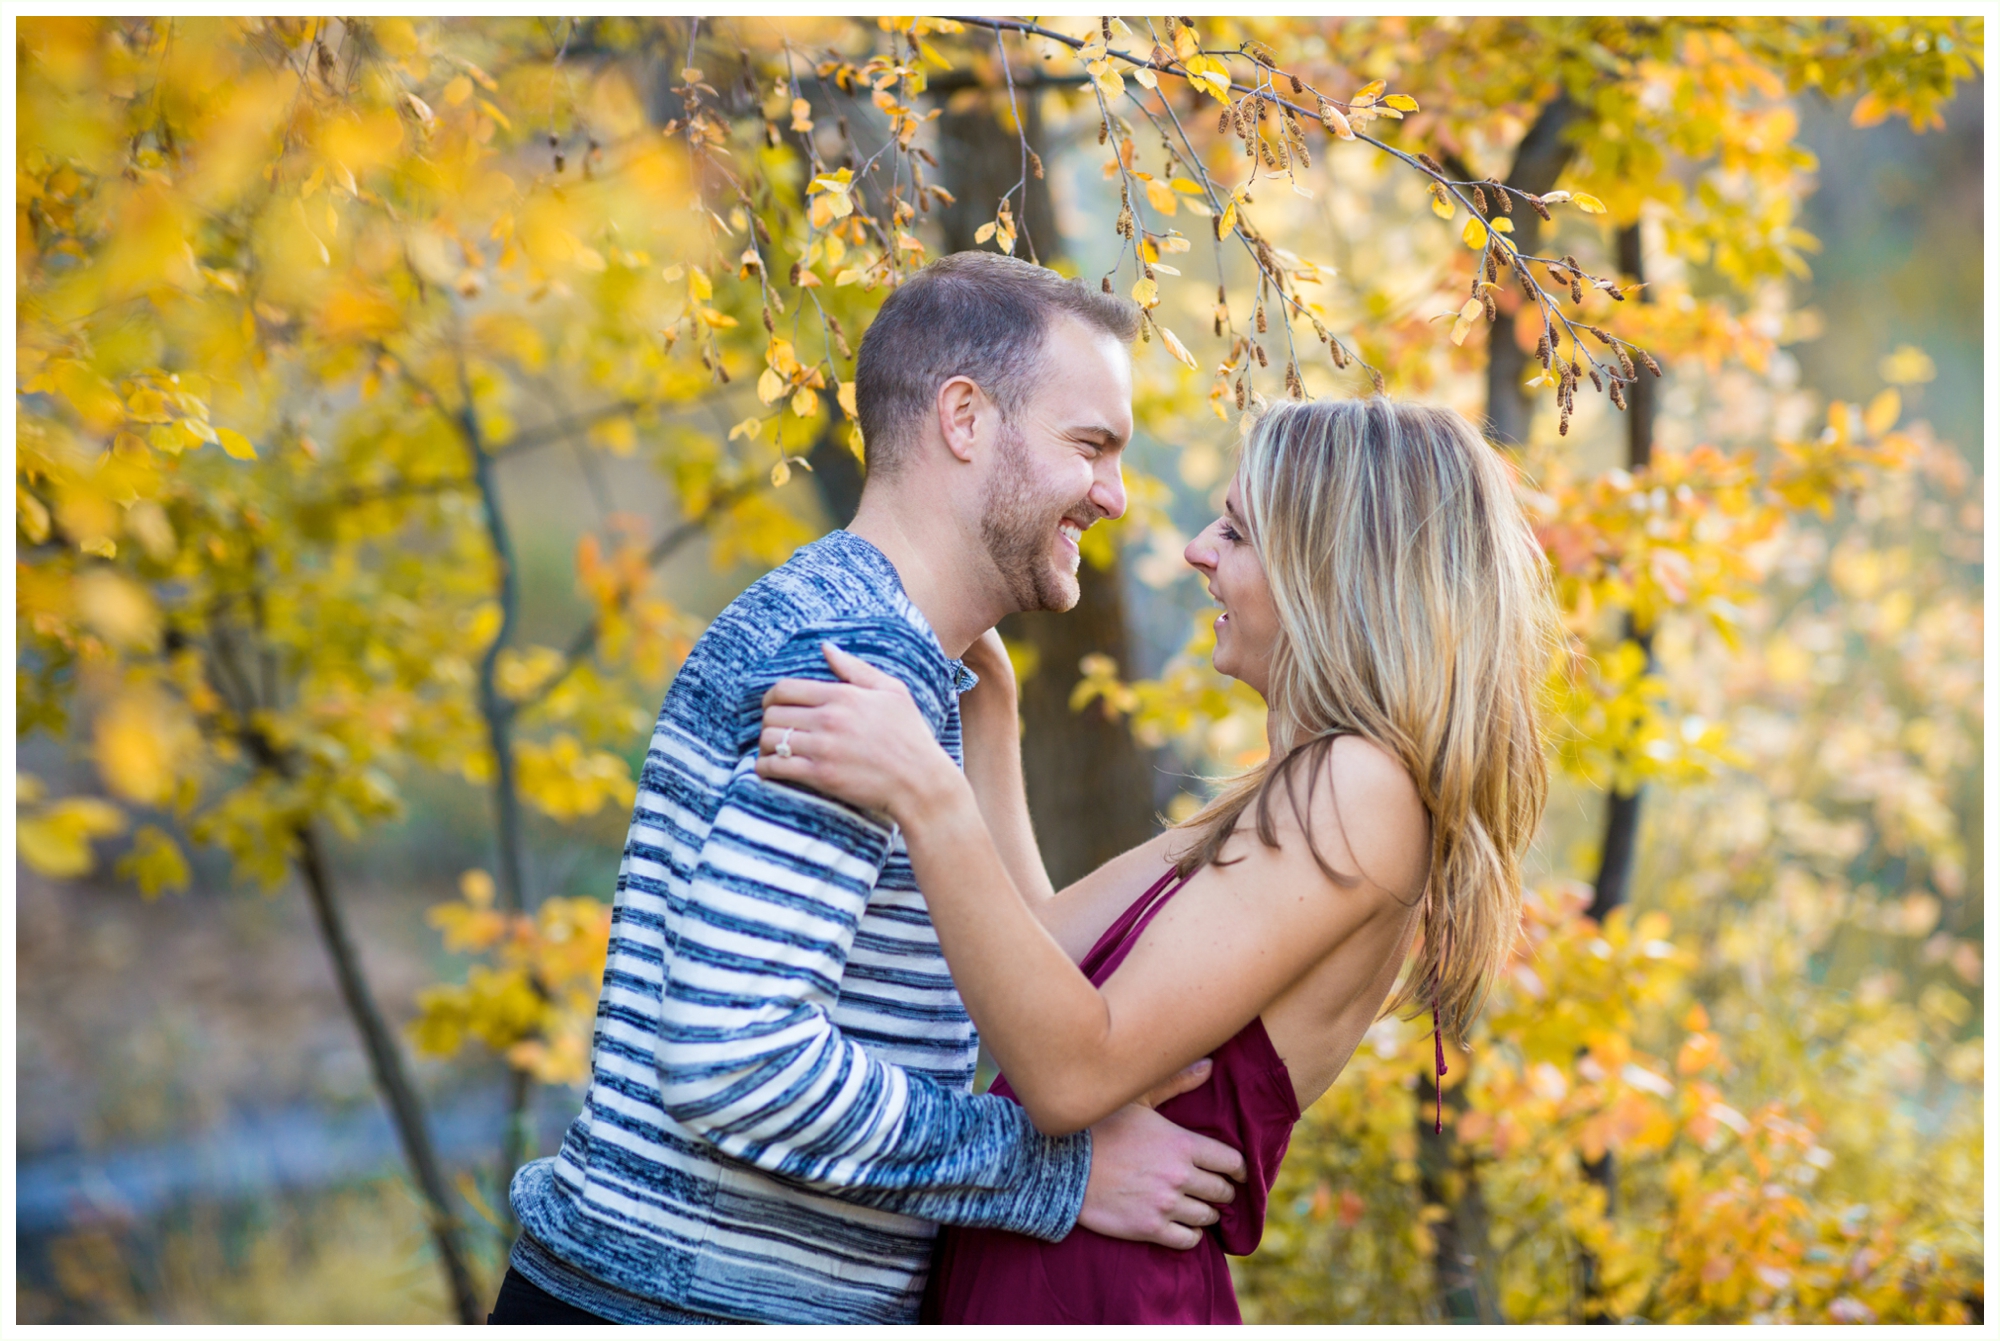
x=1461, y=1259
x=1538, y=162
x=1461, y=1253
x=515, y=1143
x=385, y=1059
x=1621, y=810
x=1090, y=787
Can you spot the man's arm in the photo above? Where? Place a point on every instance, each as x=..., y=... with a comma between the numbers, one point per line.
x=748, y=1056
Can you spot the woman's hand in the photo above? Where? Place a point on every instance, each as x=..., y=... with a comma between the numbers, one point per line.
x=861, y=740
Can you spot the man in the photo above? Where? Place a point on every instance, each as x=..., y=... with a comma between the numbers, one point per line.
x=780, y=1106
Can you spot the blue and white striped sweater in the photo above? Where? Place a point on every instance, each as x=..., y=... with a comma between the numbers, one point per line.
x=780, y=1103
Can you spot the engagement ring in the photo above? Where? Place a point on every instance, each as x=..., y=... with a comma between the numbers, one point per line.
x=784, y=750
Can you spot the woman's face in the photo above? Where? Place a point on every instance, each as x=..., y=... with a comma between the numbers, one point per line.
x=1246, y=633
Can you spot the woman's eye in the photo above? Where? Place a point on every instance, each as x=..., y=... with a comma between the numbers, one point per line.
x=1229, y=533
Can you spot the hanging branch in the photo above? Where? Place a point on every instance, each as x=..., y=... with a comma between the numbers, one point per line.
x=1495, y=249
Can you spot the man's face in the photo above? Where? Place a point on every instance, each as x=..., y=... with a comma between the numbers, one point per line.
x=1057, y=466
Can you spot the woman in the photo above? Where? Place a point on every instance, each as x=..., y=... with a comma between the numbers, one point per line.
x=1382, y=592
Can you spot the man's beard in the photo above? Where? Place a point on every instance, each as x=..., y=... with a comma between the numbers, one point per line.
x=1019, y=531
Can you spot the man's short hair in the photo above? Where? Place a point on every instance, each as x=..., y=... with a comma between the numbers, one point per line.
x=973, y=314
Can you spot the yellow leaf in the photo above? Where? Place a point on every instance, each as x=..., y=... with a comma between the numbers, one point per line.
x=140, y=738
x=477, y=888
x=1334, y=120
x=155, y=862
x=1502, y=224
x=717, y=320
x=984, y=232
x=781, y=473
x=1472, y=310
x=672, y=273
x=1146, y=293
x=770, y=385
x=1474, y=234
x=32, y=516
x=1146, y=78
x=1588, y=203
x=457, y=91
x=1186, y=43
x=1174, y=346
x=1161, y=197
x=1908, y=366
x=1882, y=413
x=1441, y=203
x=235, y=444
x=801, y=115
x=846, y=398
x=1228, y=223
x=698, y=286
x=117, y=610
x=749, y=429
x=780, y=355
x=851, y=275
x=56, y=841
x=1402, y=102
x=1210, y=75
x=805, y=402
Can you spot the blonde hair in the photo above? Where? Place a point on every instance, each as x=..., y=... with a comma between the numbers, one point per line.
x=1414, y=611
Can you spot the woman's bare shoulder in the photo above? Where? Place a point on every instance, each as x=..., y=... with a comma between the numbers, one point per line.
x=1361, y=812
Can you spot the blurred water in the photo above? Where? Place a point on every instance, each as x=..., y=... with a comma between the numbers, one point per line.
x=294, y=1148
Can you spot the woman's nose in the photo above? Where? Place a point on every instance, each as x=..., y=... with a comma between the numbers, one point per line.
x=1199, y=553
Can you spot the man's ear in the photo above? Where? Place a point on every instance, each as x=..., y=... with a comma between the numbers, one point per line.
x=962, y=411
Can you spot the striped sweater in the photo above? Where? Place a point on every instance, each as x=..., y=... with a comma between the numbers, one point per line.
x=780, y=1106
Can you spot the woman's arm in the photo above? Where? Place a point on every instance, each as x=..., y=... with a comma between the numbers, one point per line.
x=991, y=715
x=1228, y=945
x=1077, y=915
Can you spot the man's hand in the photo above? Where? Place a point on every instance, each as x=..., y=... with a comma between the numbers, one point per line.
x=1153, y=1182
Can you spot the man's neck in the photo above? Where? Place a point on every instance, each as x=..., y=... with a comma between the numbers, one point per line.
x=941, y=570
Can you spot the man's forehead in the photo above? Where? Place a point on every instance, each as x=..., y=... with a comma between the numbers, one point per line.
x=1089, y=381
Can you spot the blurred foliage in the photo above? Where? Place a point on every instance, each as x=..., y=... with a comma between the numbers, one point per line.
x=354, y=1255
x=291, y=291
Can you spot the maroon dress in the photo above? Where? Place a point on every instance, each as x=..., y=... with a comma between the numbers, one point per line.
x=989, y=1276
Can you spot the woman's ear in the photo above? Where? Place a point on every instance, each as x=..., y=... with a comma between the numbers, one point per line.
x=961, y=406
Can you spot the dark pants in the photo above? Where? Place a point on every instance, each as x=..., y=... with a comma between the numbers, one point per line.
x=523, y=1303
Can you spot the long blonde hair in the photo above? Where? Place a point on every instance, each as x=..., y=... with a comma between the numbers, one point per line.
x=1414, y=611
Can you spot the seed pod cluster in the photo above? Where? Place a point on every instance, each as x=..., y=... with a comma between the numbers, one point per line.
x=1535, y=202
x=1500, y=195
x=1435, y=168
x=1479, y=202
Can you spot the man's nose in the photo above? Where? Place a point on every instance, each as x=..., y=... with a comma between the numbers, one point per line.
x=1107, y=490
